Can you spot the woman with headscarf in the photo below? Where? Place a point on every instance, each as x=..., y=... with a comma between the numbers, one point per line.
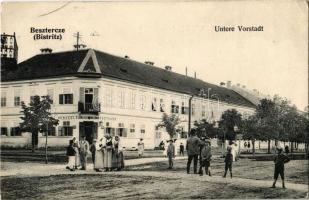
x=108, y=153
x=118, y=160
x=98, y=161
x=77, y=156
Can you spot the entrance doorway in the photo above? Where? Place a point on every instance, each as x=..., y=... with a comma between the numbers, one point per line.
x=89, y=129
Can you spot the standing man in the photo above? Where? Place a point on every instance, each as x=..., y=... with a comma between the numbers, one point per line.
x=280, y=160
x=193, y=150
x=93, y=150
x=170, y=154
x=182, y=149
x=84, y=149
x=140, y=147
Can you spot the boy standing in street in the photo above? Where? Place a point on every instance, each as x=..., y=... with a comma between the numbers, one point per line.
x=170, y=154
x=182, y=149
x=228, y=161
x=205, y=158
x=280, y=160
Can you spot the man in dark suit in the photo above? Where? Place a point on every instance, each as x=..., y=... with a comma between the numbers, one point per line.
x=193, y=150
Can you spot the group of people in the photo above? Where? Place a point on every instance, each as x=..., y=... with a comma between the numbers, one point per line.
x=106, y=154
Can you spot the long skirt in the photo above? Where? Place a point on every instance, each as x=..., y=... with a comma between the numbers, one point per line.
x=71, y=162
x=108, y=156
x=118, y=161
x=98, y=161
x=77, y=158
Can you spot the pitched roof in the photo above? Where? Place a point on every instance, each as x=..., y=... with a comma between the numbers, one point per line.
x=69, y=63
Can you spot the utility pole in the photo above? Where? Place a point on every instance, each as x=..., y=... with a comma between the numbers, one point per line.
x=77, y=46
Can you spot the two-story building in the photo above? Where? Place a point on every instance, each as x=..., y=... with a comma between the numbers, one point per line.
x=95, y=93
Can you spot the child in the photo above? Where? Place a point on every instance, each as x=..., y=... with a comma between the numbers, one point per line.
x=280, y=160
x=170, y=154
x=182, y=149
x=205, y=158
x=71, y=156
x=228, y=161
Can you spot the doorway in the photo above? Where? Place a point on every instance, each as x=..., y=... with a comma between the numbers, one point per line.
x=89, y=129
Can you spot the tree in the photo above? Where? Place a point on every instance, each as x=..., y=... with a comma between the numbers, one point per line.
x=227, y=123
x=170, y=123
x=37, y=117
x=205, y=129
x=267, y=114
x=250, y=130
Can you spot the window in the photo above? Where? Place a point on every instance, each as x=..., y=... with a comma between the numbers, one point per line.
x=175, y=108
x=3, y=101
x=162, y=105
x=143, y=131
x=122, y=98
x=132, y=128
x=121, y=131
x=193, y=109
x=15, y=131
x=203, y=111
x=110, y=131
x=16, y=101
x=4, y=131
x=50, y=93
x=184, y=109
x=143, y=102
x=132, y=100
x=109, y=97
x=50, y=132
x=66, y=99
x=66, y=130
x=154, y=104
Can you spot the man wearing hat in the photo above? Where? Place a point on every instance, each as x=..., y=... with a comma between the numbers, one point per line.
x=171, y=154
x=193, y=150
x=280, y=160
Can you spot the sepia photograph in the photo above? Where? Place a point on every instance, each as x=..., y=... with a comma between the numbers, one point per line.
x=154, y=99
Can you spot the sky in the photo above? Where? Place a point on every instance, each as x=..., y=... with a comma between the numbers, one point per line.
x=181, y=34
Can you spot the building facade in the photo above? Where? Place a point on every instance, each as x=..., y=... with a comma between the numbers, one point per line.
x=94, y=93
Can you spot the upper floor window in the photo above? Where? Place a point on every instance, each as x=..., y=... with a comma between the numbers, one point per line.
x=162, y=105
x=154, y=104
x=193, y=109
x=122, y=98
x=175, y=108
x=3, y=100
x=109, y=97
x=184, y=109
x=203, y=111
x=66, y=99
x=17, y=98
x=143, y=102
x=50, y=93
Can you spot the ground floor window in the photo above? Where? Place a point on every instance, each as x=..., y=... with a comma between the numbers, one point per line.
x=15, y=131
x=110, y=131
x=50, y=132
x=122, y=132
x=4, y=131
x=66, y=129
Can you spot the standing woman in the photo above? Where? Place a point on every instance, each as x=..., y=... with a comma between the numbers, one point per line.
x=140, y=147
x=108, y=153
x=77, y=156
x=118, y=160
x=98, y=161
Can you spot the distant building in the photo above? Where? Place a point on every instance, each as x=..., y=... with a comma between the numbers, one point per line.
x=95, y=93
x=9, y=51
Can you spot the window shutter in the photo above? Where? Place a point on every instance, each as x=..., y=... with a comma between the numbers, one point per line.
x=60, y=98
x=95, y=95
x=59, y=130
x=81, y=94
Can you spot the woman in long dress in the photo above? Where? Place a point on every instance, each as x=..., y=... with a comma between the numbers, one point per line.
x=140, y=147
x=118, y=160
x=77, y=156
x=108, y=153
x=98, y=161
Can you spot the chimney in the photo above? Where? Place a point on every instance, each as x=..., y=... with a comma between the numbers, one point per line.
x=238, y=84
x=228, y=84
x=244, y=86
x=46, y=51
x=194, y=74
x=149, y=63
x=222, y=84
x=168, y=68
x=186, y=71
x=126, y=56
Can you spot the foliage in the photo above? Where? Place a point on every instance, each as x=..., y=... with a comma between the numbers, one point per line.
x=205, y=129
x=170, y=123
x=229, y=119
x=37, y=117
